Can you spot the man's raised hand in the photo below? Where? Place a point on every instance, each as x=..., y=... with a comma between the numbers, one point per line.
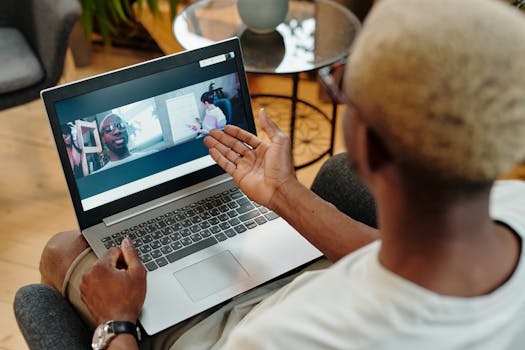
x=259, y=168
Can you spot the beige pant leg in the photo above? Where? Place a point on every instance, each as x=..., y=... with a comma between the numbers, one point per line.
x=71, y=286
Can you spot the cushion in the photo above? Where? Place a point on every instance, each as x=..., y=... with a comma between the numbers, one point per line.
x=20, y=67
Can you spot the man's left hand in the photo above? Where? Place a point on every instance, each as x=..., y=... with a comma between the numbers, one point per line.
x=259, y=168
x=115, y=287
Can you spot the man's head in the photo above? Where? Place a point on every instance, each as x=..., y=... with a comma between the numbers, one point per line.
x=115, y=136
x=208, y=98
x=67, y=135
x=440, y=86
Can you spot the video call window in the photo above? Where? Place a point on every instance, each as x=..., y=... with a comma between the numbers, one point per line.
x=110, y=138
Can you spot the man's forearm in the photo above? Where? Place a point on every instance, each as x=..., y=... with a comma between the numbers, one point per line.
x=321, y=223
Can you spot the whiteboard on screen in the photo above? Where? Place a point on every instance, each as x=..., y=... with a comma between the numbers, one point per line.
x=182, y=112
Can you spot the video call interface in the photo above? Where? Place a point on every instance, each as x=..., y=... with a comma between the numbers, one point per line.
x=119, y=143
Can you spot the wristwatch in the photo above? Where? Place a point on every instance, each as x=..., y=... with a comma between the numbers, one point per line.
x=106, y=331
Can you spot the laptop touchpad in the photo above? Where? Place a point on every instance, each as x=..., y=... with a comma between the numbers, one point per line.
x=211, y=275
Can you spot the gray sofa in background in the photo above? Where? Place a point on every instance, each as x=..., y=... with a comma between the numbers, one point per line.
x=33, y=42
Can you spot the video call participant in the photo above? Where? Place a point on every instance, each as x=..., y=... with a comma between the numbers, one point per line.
x=114, y=135
x=74, y=152
x=214, y=117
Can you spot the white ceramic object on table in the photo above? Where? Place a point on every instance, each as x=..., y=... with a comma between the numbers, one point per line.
x=262, y=16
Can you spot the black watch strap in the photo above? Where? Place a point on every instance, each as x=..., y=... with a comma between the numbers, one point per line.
x=126, y=327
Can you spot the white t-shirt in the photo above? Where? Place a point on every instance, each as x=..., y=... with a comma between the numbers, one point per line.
x=358, y=304
x=213, y=119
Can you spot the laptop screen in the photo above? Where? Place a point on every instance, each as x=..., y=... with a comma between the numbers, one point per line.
x=136, y=134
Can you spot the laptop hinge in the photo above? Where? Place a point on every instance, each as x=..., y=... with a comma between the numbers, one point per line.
x=159, y=202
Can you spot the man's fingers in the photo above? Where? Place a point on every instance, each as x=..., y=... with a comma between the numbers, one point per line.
x=226, y=151
x=238, y=137
x=270, y=128
x=131, y=256
x=111, y=257
x=222, y=161
x=214, y=141
x=224, y=143
x=244, y=136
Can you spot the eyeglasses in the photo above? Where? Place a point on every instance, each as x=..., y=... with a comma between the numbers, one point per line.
x=327, y=79
x=110, y=128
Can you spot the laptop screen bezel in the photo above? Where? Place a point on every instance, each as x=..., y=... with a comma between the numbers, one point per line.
x=88, y=218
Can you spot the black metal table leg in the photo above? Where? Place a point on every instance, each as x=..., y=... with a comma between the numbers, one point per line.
x=295, y=89
x=334, y=122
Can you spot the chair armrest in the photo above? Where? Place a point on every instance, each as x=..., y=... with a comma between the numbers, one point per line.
x=48, y=321
x=336, y=183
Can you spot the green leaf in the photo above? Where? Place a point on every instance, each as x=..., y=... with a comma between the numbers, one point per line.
x=127, y=8
x=173, y=8
x=154, y=6
x=112, y=13
x=102, y=20
x=86, y=19
x=118, y=10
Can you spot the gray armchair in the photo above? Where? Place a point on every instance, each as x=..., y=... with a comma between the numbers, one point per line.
x=33, y=41
x=48, y=321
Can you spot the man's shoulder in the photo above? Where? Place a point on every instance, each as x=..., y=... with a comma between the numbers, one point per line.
x=216, y=112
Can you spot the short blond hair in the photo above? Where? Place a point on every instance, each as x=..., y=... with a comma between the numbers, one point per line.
x=443, y=84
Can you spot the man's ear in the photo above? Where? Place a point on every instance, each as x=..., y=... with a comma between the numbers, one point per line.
x=376, y=154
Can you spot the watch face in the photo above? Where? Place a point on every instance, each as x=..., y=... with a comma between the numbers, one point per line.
x=101, y=337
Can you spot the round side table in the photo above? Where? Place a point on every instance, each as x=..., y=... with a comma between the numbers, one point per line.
x=314, y=35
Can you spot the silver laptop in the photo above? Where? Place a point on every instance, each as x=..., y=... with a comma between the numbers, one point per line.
x=131, y=146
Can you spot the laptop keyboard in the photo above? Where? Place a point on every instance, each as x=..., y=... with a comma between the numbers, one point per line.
x=175, y=235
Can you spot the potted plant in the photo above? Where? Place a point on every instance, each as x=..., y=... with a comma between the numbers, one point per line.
x=107, y=16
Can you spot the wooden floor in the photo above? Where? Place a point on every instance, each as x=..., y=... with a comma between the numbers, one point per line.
x=34, y=202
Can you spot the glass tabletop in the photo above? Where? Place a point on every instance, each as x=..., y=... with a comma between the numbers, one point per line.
x=314, y=34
